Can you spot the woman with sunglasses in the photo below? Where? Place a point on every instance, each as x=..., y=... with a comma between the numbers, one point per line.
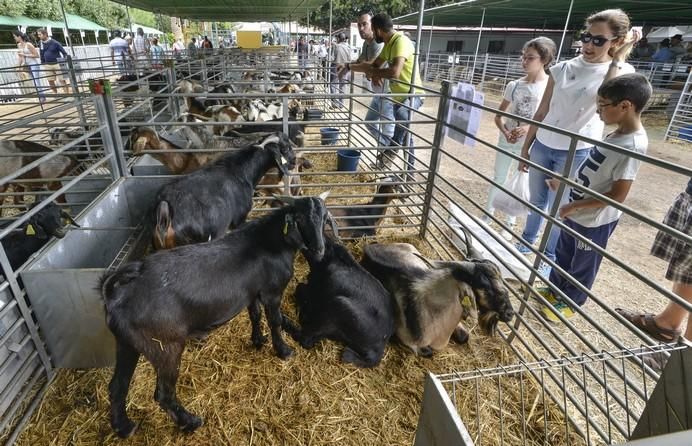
x=569, y=102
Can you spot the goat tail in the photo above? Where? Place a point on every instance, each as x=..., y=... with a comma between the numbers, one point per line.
x=111, y=280
x=163, y=232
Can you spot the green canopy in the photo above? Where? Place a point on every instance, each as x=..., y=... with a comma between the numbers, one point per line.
x=549, y=13
x=73, y=22
x=229, y=10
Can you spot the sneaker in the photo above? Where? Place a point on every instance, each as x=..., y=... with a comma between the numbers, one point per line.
x=558, y=307
x=547, y=293
x=544, y=270
x=522, y=248
x=384, y=160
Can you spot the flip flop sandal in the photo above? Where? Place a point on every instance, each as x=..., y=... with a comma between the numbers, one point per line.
x=646, y=323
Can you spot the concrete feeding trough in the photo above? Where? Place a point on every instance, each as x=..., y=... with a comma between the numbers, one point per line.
x=62, y=282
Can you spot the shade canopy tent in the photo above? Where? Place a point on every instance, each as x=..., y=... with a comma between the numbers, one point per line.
x=74, y=22
x=549, y=13
x=228, y=10
x=147, y=30
x=667, y=32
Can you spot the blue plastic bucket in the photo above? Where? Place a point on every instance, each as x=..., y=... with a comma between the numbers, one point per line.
x=685, y=133
x=347, y=160
x=329, y=135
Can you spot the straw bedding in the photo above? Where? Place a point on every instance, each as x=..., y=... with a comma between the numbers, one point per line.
x=252, y=397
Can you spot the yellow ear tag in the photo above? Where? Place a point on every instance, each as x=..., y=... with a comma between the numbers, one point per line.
x=466, y=302
x=30, y=229
x=285, y=228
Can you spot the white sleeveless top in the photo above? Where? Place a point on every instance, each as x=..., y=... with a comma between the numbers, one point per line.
x=28, y=59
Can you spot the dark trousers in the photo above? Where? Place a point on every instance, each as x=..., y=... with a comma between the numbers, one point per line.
x=578, y=259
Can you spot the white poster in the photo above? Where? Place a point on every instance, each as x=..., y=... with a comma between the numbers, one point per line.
x=463, y=115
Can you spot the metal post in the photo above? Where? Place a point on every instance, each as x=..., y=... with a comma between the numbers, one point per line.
x=684, y=95
x=478, y=45
x=105, y=112
x=427, y=54
x=438, y=139
x=564, y=30
x=350, y=111
x=78, y=101
x=284, y=120
x=331, y=50
x=421, y=13
x=485, y=68
x=129, y=21
x=68, y=40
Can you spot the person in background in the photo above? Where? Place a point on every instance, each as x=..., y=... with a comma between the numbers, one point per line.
x=192, y=48
x=607, y=42
x=677, y=47
x=398, y=52
x=664, y=54
x=609, y=173
x=29, y=59
x=51, y=50
x=322, y=55
x=521, y=98
x=156, y=54
x=342, y=56
x=178, y=47
x=302, y=51
x=643, y=50
x=140, y=47
x=206, y=43
x=380, y=108
x=120, y=51
x=667, y=326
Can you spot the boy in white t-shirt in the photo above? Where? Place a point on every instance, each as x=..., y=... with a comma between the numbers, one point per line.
x=607, y=172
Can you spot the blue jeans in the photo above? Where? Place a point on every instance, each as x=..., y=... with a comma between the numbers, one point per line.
x=381, y=109
x=541, y=196
x=578, y=259
x=402, y=113
x=35, y=73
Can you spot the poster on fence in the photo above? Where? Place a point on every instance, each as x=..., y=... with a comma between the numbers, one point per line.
x=463, y=115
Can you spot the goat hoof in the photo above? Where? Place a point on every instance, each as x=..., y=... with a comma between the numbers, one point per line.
x=460, y=336
x=259, y=342
x=126, y=430
x=425, y=352
x=284, y=352
x=191, y=424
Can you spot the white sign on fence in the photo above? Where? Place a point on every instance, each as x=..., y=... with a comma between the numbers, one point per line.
x=464, y=116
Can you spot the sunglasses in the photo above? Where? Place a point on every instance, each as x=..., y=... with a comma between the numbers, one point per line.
x=595, y=40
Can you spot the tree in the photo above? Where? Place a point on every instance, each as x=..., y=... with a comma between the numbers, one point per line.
x=344, y=12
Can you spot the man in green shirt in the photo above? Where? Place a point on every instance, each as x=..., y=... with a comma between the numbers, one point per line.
x=398, y=53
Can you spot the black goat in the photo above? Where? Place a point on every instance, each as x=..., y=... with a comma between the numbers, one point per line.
x=343, y=302
x=154, y=305
x=365, y=219
x=21, y=243
x=296, y=132
x=431, y=297
x=201, y=206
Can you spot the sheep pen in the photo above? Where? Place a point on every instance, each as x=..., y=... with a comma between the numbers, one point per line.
x=249, y=397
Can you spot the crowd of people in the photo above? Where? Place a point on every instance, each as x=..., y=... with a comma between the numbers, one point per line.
x=130, y=54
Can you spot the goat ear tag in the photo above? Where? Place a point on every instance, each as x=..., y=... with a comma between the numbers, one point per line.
x=30, y=230
x=466, y=302
x=285, y=231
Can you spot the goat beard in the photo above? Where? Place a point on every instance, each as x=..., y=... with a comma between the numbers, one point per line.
x=488, y=321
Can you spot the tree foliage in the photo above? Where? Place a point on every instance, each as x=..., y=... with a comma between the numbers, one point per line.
x=344, y=12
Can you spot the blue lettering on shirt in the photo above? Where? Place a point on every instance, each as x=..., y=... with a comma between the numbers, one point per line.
x=592, y=163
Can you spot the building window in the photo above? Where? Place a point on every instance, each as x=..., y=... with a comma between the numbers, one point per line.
x=496, y=46
x=454, y=46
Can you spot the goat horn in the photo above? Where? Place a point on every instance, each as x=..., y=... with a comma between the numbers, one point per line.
x=332, y=223
x=69, y=218
x=427, y=262
x=272, y=139
x=323, y=196
x=286, y=199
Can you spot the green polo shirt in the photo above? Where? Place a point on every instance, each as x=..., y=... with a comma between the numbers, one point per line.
x=401, y=46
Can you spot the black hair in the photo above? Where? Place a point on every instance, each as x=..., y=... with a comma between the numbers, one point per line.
x=341, y=37
x=21, y=35
x=632, y=87
x=665, y=43
x=365, y=11
x=116, y=33
x=382, y=22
